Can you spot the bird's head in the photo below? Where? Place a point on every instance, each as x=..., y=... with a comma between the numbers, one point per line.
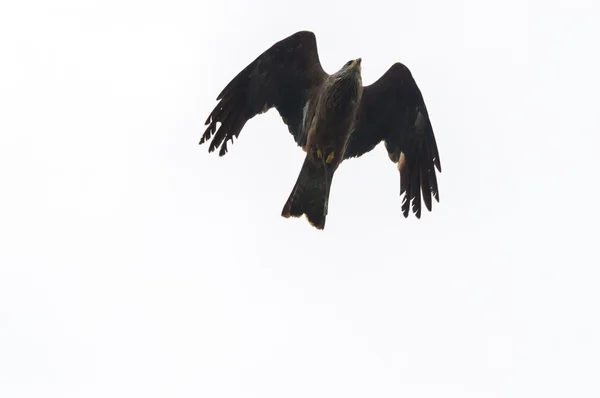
x=351, y=69
x=348, y=77
x=353, y=64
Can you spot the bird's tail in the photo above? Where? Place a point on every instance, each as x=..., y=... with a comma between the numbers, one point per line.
x=310, y=195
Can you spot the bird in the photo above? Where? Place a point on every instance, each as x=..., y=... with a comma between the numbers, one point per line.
x=333, y=118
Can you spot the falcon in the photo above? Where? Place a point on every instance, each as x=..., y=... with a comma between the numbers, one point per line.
x=332, y=117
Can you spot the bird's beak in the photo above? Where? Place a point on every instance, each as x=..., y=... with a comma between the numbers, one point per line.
x=357, y=61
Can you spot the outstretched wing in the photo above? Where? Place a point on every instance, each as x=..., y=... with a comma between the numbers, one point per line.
x=284, y=76
x=393, y=110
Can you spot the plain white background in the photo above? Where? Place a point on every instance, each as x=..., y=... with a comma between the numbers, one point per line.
x=133, y=263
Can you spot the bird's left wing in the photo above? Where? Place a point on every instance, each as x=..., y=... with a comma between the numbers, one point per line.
x=283, y=77
x=393, y=110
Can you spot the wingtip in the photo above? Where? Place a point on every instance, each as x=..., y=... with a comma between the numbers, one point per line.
x=304, y=32
x=428, y=205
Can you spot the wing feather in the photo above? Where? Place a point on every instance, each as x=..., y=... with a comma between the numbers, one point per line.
x=284, y=77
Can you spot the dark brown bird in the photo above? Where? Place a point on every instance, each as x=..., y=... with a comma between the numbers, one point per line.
x=333, y=118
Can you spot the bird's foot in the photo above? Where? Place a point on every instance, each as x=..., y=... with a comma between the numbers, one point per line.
x=330, y=157
x=327, y=157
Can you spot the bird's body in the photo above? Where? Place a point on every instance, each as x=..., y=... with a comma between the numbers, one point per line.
x=335, y=111
x=333, y=118
x=328, y=128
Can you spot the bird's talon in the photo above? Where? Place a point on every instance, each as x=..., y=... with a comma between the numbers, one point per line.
x=330, y=158
x=319, y=154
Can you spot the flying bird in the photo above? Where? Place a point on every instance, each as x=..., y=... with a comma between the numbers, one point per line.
x=332, y=117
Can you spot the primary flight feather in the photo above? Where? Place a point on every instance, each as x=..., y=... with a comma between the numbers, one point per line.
x=333, y=118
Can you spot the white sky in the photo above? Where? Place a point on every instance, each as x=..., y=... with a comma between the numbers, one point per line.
x=135, y=264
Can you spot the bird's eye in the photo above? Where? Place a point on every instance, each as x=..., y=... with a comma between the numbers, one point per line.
x=348, y=63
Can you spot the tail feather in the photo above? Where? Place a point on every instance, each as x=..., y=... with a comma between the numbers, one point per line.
x=310, y=195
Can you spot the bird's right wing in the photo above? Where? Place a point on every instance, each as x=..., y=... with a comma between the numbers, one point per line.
x=282, y=77
x=393, y=110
